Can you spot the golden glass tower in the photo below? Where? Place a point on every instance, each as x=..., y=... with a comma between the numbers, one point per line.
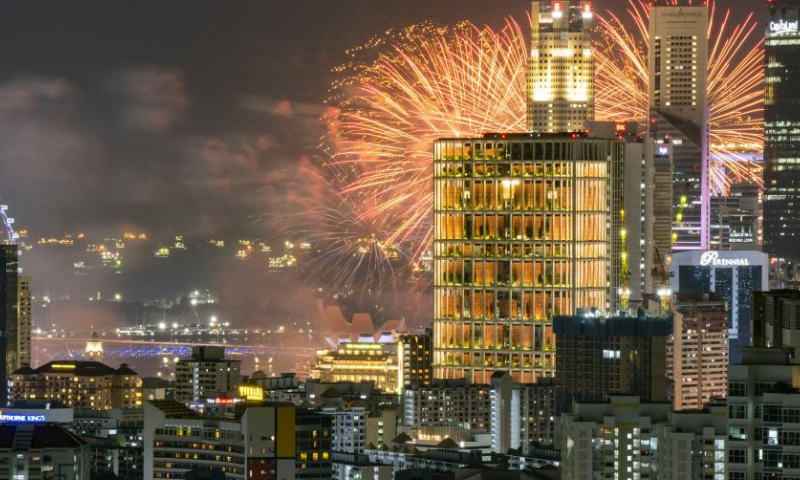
x=522, y=226
x=561, y=66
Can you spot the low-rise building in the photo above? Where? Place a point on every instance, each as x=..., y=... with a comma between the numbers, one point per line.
x=79, y=384
x=362, y=361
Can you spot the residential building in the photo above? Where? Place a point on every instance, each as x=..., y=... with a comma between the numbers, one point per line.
x=734, y=275
x=417, y=358
x=261, y=442
x=598, y=357
x=42, y=451
x=763, y=416
x=526, y=227
x=627, y=439
x=698, y=350
x=561, y=66
x=781, y=121
x=79, y=384
x=207, y=374
x=678, y=85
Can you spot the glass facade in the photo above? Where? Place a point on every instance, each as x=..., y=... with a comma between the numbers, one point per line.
x=521, y=234
x=9, y=348
x=735, y=285
x=782, y=131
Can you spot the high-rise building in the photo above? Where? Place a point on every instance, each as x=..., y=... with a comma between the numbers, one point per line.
x=698, y=350
x=25, y=315
x=734, y=275
x=736, y=219
x=207, y=374
x=781, y=121
x=626, y=438
x=678, y=66
x=42, y=451
x=598, y=357
x=647, y=207
x=775, y=320
x=763, y=413
x=9, y=316
x=561, y=66
x=417, y=359
x=526, y=226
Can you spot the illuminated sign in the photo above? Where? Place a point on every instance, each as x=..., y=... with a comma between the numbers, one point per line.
x=63, y=366
x=249, y=392
x=23, y=418
x=782, y=26
x=663, y=151
x=223, y=401
x=712, y=259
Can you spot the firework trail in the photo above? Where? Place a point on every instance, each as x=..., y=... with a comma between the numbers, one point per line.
x=350, y=248
x=427, y=82
x=735, y=85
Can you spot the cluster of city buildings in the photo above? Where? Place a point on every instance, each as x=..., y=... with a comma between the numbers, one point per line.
x=598, y=314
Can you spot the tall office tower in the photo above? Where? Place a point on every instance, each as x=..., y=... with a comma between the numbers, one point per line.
x=781, y=121
x=678, y=65
x=598, y=357
x=524, y=229
x=646, y=199
x=9, y=317
x=25, y=309
x=734, y=275
x=698, y=350
x=561, y=66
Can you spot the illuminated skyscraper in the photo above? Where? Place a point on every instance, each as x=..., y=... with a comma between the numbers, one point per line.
x=781, y=124
x=9, y=318
x=25, y=302
x=678, y=65
x=522, y=228
x=561, y=67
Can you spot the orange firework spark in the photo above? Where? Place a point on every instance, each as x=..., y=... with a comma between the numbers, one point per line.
x=426, y=82
x=430, y=82
x=735, y=86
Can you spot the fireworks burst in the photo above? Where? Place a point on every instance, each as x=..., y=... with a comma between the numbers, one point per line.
x=350, y=248
x=427, y=82
x=735, y=80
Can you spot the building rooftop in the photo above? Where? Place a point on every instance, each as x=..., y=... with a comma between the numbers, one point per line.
x=78, y=368
x=41, y=437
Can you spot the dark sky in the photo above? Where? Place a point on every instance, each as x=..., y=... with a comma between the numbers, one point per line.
x=180, y=116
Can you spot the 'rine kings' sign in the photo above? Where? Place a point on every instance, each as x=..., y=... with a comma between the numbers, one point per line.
x=782, y=26
x=711, y=259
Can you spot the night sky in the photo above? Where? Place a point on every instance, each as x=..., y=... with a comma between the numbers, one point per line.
x=180, y=117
